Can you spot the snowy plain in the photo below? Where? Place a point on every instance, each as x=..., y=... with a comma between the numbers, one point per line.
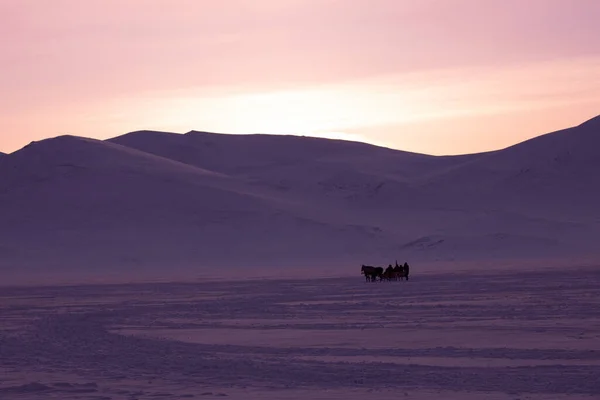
x=516, y=334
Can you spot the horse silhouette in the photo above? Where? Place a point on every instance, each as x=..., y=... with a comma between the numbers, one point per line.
x=371, y=273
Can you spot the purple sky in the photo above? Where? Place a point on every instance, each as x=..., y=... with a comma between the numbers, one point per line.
x=434, y=76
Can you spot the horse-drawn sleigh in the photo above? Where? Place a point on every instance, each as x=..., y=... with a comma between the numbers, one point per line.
x=396, y=273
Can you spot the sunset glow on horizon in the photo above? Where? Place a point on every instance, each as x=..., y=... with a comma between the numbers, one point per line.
x=431, y=76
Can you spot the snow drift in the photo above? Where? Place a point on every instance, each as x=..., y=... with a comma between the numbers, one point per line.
x=156, y=200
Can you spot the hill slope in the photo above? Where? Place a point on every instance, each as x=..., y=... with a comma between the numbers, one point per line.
x=537, y=197
x=156, y=200
x=250, y=154
x=300, y=165
x=550, y=175
x=79, y=202
x=543, y=194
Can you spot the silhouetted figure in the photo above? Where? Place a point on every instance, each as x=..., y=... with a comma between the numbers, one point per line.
x=389, y=273
x=399, y=271
x=406, y=270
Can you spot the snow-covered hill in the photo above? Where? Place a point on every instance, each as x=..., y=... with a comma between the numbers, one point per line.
x=555, y=173
x=249, y=155
x=78, y=202
x=158, y=200
x=300, y=166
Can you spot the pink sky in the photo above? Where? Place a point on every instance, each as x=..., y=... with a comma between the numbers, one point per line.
x=433, y=76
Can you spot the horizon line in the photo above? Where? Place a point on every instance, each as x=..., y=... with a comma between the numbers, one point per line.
x=597, y=117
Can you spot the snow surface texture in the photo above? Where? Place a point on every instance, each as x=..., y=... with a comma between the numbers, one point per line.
x=495, y=335
x=155, y=201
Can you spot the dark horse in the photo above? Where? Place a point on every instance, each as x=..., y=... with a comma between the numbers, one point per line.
x=371, y=273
